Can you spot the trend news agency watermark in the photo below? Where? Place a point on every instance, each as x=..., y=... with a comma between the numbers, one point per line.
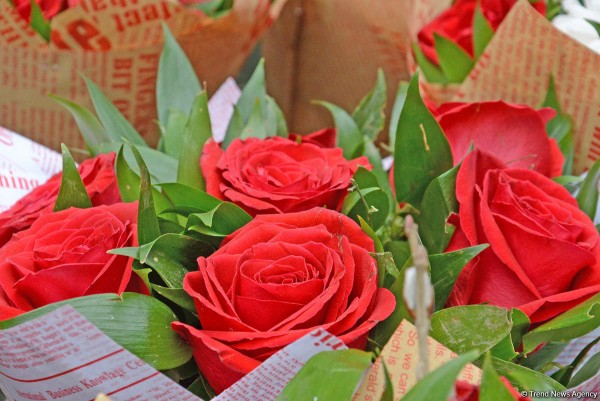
x=561, y=394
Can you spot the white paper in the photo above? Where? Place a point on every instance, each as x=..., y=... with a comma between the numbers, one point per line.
x=62, y=356
x=220, y=107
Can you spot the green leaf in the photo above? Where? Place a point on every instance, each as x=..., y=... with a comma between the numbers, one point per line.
x=560, y=127
x=173, y=129
x=202, y=389
x=387, y=271
x=188, y=197
x=437, y=385
x=439, y=201
x=524, y=378
x=541, y=360
x=349, y=137
x=482, y=31
x=372, y=154
x=520, y=326
x=388, y=392
x=564, y=374
x=38, y=22
x=172, y=256
x=281, y=127
x=148, y=229
x=446, y=267
x=115, y=124
x=456, y=63
x=176, y=83
x=588, y=195
x=220, y=221
x=589, y=370
x=253, y=90
x=369, y=231
x=396, y=110
x=256, y=126
x=400, y=252
x=369, y=115
x=127, y=179
x=139, y=323
x=422, y=152
x=176, y=295
x=574, y=323
x=197, y=131
x=470, y=327
x=72, y=192
x=331, y=375
x=594, y=24
x=369, y=203
x=162, y=167
x=432, y=72
x=234, y=129
x=92, y=131
x=492, y=388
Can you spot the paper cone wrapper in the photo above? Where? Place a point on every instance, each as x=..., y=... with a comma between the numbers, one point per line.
x=516, y=67
x=117, y=44
x=330, y=50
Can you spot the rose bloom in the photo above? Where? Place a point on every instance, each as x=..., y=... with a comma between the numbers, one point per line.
x=465, y=391
x=274, y=281
x=64, y=255
x=280, y=175
x=456, y=23
x=544, y=251
x=516, y=134
x=98, y=176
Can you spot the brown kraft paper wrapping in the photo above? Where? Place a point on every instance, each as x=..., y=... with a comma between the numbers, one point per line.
x=117, y=44
x=516, y=66
x=331, y=50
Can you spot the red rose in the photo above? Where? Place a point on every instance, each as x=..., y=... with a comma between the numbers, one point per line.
x=63, y=255
x=465, y=391
x=275, y=280
x=544, y=251
x=100, y=182
x=516, y=134
x=279, y=175
x=456, y=23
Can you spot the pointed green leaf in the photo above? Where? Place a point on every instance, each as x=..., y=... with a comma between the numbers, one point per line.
x=446, y=267
x=372, y=154
x=115, y=124
x=127, y=179
x=173, y=132
x=396, y=110
x=369, y=115
x=234, y=129
x=482, y=31
x=331, y=375
x=589, y=370
x=72, y=192
x=388, y=391
x=437, y=385
x=186, y=196
x=256, y=126
x=422, y=152
x=281, y=125
x=38, y=22
x=176, y=295
x=253, y=90
x=387, y=273
x=454, y=61
x=162, y=167
x=470, y=327
x=432, y=72
x=176, y=83
x=148, y=322
x=524, y=378
x=349, y=137
x=588, y=194
x=574, y=323
x=148, y=229
x=492, y=388
x=369, y=231
x=560, y=128
x=220, y=221
x=92, y=131
x=439, y=201
x=197, y=131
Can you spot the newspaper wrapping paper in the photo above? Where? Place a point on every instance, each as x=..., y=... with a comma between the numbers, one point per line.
x=516, y=65
x=61, y=355
x=117, y=44
x=330, y=50
x=400, y=356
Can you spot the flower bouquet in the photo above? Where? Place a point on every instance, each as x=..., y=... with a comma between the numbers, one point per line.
x=226, y=264
x=45, y=45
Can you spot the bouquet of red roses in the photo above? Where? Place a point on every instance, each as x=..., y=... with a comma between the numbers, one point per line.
x=233, y=251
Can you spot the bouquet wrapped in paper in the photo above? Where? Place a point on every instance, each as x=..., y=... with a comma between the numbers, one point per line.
x=116, y=43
